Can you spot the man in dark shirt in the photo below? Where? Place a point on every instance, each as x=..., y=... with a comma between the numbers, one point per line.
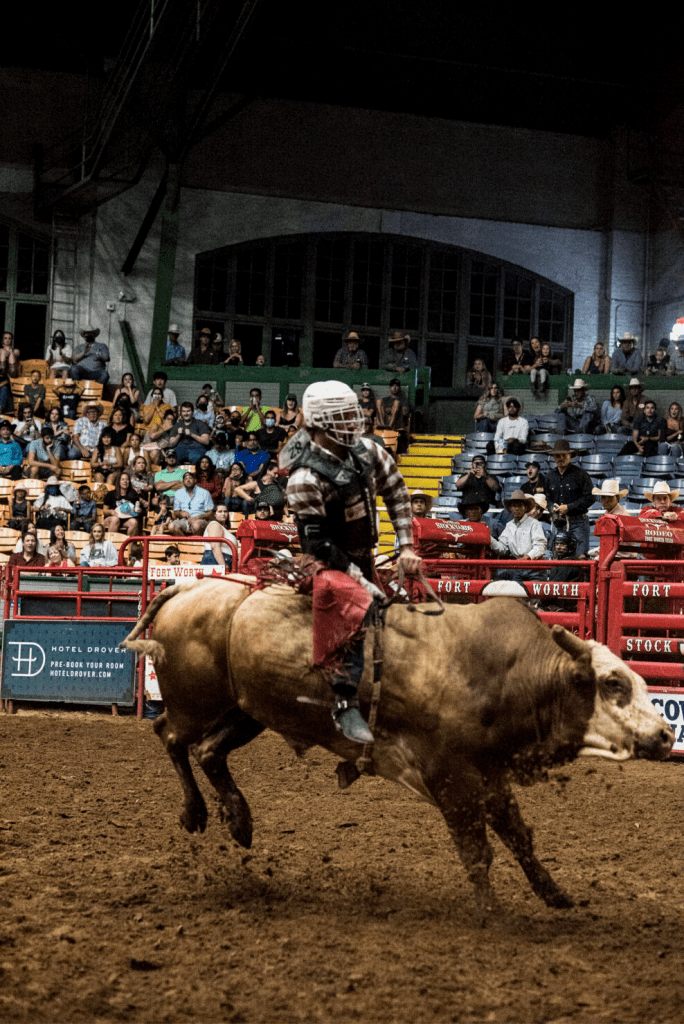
x=650, y=431
x=270, y=436
x=190, y=437
x=536, y=483
x=568, y=490
x=478, y=485
x=27, y=557
x=394, y=413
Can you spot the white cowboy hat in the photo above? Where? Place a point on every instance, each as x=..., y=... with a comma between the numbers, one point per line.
x=610, y=488
x=504, y=588
x=662, y=487
x=429, y=500
x=540, y=499
x=174, y=329
x=634, y=383
x=627, y=337
x=578, y=385
x=90, y=331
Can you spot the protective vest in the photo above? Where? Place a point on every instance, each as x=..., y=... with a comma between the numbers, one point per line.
x=352, y=515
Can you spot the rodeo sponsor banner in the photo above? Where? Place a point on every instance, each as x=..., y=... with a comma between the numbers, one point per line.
x=183, y=572
x=671, y=706
x=75, y=662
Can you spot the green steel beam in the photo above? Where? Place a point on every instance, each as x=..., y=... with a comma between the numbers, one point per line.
x=131, y=350
x=166, y=266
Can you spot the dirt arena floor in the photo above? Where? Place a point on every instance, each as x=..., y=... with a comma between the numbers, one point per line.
x=350, y=906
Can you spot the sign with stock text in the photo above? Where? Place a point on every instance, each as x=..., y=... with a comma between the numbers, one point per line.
x=69, y=662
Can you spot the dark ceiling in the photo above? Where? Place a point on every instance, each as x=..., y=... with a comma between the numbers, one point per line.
x=515, y=66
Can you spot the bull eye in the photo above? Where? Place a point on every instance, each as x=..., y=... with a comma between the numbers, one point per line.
x=618, y=688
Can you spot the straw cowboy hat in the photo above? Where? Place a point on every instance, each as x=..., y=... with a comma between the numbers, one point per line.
x=579, y=385
x=353, y=336
x=662, y=487
x=94, y=405
x=627, y=337
x=174, y=329
x=540, y=499
x=90, y=332
x=561, y=447
x=429, y=500
x=396, y=336
x=610, y=489
x=527, y=499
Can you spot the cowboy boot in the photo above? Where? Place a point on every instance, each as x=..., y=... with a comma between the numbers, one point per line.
x=349, y=722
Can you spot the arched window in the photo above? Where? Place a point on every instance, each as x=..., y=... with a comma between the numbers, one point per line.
x=292, y=298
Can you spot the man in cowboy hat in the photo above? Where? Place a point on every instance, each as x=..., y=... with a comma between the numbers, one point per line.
x=511, y=430
x=90, y=362
x=579, y=413
x=626, y=357
x=568, y=490
x=523, y=538
x=633, y=405
x=609, y=495
x=86, y=432
x=421, y=504
x=348, y=357
x=398, y=357
x=175, y=352
x=662, y=508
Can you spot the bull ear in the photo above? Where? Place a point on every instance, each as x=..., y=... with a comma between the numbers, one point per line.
x=575, y=647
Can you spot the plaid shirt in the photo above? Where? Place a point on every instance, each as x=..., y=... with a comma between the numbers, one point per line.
x=88, y=433
x=308, y=493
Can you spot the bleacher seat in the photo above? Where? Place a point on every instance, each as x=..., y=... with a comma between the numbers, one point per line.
x=502, y=465
x=628, y=465
x=581, y=442
x=663, y=466
x=612, y=443
x=597, y=464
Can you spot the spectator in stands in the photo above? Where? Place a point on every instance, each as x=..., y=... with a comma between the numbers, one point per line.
x=217, y=348
x=399, y=357
x=661, y=498
x=189, y=436
x=511, y=430
x=540, y=512
x=579, y=413
x=6, y=400
x=121, y=429
x=164, y=515
x=252, y=455
x=649, y=433
x=157, y=441
x=291, y=416
x=202, y=354
x=28, y=557
x=41, y=459
x=658, y=362
x=234, y=357
x=489, y=410
x=106, y=461
x=59, y=540
x=676, y=364
x=133, y=450
x=522, y=538
x=260, y=360
x=236, y=431
x=154, y=412
x=26, y=426
x=516, y=359
x=550, y=361
x=169, y=479
x=609, y=495
x=540, y=367
x=536, y=483
x=674, y=437
x=350, y=356
x=175, y=353
x=253, y=418
x=204, y=411
x=262, y=510
x=20, y=510
x=86, y=433
x=478, y=376
x=611, y=411
x=568, y=490
x=207, y=477
x=367, y=405
x=270, y=436
x=220, y=454
x=59, y=355
x=90, y=362
x=633, y=405
x=133, y=558
x=123, y=506
x=30, y=527
x=231, y=485
x=216, y=553
x=192, y=508
x=99, y=552
x=598, y=361
x=473, y=510
x=68, y=395
x=129, y=389
x=10, y=357
x=394, y=413
x=626, y=357
x=421, y=504
x=56, y=559
x=172, y=555
x=267, y=486
x=60, y=429
x=84, y=510
x=51, y=506
x=34, y=393
x=478, y=484
x=11, y=455
x=159, y=380
x=142, y=481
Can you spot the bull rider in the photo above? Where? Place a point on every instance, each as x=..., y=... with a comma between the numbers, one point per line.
x=335, y=475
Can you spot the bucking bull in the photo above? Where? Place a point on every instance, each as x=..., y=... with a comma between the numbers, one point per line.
x=472, y=700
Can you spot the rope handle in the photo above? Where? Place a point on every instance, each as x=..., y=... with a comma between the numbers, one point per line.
x=412, y=606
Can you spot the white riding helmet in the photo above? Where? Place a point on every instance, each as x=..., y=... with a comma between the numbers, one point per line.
x=333, y=407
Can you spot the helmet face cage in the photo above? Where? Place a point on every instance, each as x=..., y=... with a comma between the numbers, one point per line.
x=343, y=422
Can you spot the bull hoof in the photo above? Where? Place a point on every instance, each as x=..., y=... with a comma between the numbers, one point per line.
x=237, y=815
x=194, y=818
x=557, y=898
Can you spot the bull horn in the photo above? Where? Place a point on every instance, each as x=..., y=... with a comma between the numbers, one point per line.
x=575, y=647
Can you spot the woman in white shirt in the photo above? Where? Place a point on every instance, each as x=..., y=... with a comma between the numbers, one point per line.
x=216, y=553
x=59, y=355
x=99, y=553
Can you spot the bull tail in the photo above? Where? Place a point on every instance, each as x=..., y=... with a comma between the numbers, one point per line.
x=149, y=647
